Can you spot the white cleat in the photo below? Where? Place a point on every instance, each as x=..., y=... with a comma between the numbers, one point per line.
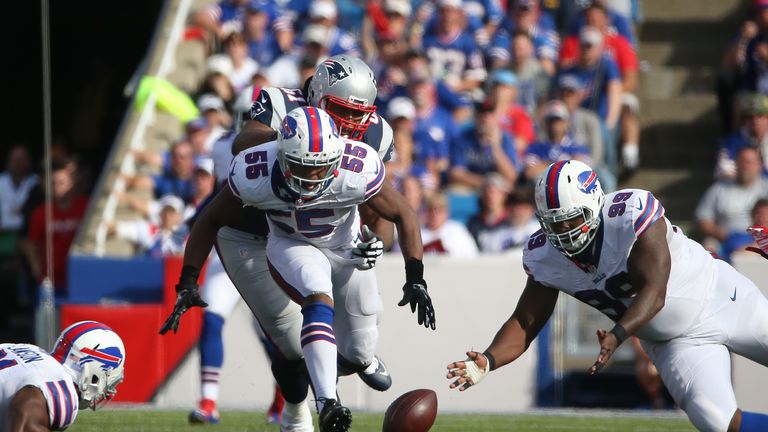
x=297, y=418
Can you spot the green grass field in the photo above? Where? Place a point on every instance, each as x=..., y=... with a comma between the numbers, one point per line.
x=176, y=421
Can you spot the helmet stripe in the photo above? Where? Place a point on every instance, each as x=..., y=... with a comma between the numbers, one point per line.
x=553, y=198
x=315, y=129
x=61, y=350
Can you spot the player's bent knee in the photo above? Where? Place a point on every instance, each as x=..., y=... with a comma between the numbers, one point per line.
x=707, y=416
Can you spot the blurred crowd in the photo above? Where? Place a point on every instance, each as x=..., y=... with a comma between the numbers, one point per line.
x=481, y=95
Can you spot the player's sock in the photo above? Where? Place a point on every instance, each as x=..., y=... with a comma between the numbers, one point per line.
x=292, y=377
x=753, y=422
x=211, y=355
x=319, y=346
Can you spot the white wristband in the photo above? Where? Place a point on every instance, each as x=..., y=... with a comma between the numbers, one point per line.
x=474, y=373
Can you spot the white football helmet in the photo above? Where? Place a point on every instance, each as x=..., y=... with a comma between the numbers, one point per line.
x=308, y=139
x=569, y=189
x=95, y=356
x=345, y=87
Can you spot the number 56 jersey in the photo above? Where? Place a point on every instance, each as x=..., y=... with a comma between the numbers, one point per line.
x=329, y=220
x=604, y=282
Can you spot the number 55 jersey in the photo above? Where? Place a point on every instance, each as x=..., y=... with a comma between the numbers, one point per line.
x=329, y=220
x=600, y=277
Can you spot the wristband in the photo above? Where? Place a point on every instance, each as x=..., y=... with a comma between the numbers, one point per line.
x=189, y=275
x=620, y=333
x=414, y=270
x=491, y=360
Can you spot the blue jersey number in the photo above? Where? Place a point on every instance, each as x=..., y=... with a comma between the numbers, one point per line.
x=618, y=208
x=618, y=286
x=257, y=165
x=304, y=221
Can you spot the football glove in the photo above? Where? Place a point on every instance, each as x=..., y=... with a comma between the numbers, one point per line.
x=369, y=249
x=415, y=293
x=187, y=296
x=761, y=238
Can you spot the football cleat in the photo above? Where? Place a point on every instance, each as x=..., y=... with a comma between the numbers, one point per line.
x=376, y=375
x=334, y=417
x=206, y=414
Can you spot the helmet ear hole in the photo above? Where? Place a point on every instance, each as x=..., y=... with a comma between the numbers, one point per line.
x=94, y=379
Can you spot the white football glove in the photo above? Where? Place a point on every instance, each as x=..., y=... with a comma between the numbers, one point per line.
x=474, y=373
x=368, y=250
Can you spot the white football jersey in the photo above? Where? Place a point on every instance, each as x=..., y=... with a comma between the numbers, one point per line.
x=329, y=220
x=605, y=284
x=23, y=365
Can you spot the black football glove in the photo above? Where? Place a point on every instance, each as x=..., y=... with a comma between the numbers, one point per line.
x=415, y=293
x=187, y=296
x=368, y=249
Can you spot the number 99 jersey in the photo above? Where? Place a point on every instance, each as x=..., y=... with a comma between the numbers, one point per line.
x=329, y=220
x=604, y=282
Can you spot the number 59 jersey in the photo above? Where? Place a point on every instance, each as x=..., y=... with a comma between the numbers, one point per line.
x=329, y=220
x=23, y=365
x=604, y=282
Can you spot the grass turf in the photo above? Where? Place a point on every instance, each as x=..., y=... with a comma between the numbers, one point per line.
x=157, y=420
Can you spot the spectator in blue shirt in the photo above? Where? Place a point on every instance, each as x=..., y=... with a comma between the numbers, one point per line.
x=525, y=15
x=324, y=12
x=453, y=54
x=178, y=179
x=261, y=37
x=557, y=144
x=433, y=132
x=482, y=149
x=753, y=133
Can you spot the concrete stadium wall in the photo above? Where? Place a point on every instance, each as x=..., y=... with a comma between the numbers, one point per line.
x=471, y=298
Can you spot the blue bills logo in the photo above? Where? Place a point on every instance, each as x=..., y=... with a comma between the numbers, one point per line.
x=587, y=181
x=288, y=127
x=110, y=357
x=336, y=71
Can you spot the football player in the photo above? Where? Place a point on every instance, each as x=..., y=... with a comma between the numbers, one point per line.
x=42, y=392
x=310, y=182
x=620, y=255
x=246, y=229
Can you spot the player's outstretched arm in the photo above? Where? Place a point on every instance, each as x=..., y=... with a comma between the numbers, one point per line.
x=218, y=213
x=648, y=265
x=27, y=412
x=253, y=133
x=390, y=205
x=513, y=338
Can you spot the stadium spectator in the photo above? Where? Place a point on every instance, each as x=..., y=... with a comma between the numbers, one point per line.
x=203, y=180
x=68, y=209
x=453, y=54
x=401, y=113
x=16, y=183
x=176, y=180
x=602, y=80
x=724, y=210
x=492, y=215
x=216, y=83
x=520, y=223
x=147, y=237
x=526, y=16
x=338, y=41
x=512, y=116
x=617, y=23
x=483, y=149
x=315, y=40
x=262, y=38
x=755, y=76
x=222, y=18
x=234, y=62
x=442, y=235
x=533, y=79
x=556, y=145
x=739, y=241
x=432, y=132
x=585, y=125
x=216, y=117
x=753, y=118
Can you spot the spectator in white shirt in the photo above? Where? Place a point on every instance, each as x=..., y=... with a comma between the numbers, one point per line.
x=15, y=185
x=442, y=235
x=148, y=237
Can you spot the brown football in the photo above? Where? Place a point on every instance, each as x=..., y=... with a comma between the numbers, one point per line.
x=414, y=411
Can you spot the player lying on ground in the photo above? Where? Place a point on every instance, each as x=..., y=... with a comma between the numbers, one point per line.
x=619, y=254
x=42, y=392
